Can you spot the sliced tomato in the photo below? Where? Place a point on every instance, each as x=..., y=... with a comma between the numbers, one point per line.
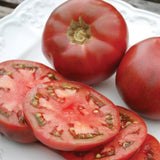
x=131, y=136
x=70, y=116
x=16, y=78
x=150, y=150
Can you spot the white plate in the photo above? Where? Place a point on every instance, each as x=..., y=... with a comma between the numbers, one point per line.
x=20, y=38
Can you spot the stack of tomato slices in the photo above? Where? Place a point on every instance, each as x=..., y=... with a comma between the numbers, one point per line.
x=131, y=143
x=17, y=77
x=37, y=103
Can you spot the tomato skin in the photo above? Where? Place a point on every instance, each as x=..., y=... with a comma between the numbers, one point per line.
x=73, y=155
x=150, y=149
x=138, y=77
x=22, y=134
x=98, y=58
x=70, y=116
x=16, y=78
x=131, y=136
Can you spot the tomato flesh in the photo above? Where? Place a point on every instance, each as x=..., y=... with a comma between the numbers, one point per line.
x=70, y=116
x=150, y=150
x=131, y=136
x=85, y=40
x=16, y=78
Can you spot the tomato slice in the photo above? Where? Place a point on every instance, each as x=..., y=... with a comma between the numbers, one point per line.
x=131, y=136
x=16, y=78
x=70, y=116
x=150, y=150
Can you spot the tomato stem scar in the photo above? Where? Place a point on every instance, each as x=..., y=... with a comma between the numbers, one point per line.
x=79, y=32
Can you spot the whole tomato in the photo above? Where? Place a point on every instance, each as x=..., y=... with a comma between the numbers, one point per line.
x=138, y=78
x=85, y=40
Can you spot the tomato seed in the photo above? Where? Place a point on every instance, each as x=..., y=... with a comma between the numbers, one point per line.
x=127, y=144
x=4, y=72
x=40, y=119
x=95, y=100
x=20, y=116
x=23, y=66
x=4, y=113
x=98, y=156
x=96, y=111
x=56, y=132
x=35, y=100
x=83, y=135
x=68, y=86
x=51, y=76
x=83, y=110
x=108, y=116
x=128, y=123
x=52, y=93
x=108, y=120
x=50, y=89
x=110, y=151
x=149, y=156
x=125, y=121
x=109, y=123
x=9, y=73
x=5, y=89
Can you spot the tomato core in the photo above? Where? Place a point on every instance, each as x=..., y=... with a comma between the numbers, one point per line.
x=79, y=32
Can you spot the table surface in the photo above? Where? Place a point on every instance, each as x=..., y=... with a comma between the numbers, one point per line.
x=7, y=6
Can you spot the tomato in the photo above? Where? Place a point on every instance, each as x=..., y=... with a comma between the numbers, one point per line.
x=16, y=78
x=131, y=136
x=150, y=150
x=85, y=40
x=70, y=116
x=138, y=78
